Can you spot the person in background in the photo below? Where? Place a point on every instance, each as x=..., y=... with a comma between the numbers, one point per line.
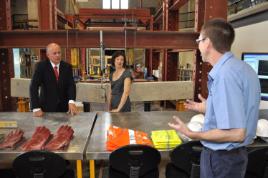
x=231, y=109
x=138, y=73
x=57, y=87
x=120, y=84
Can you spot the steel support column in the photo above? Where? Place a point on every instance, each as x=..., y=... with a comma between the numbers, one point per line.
x=150, y=68
x=201, y=76
x=46, y=14
x=165, y=65
x=6, y=62
x=7, y=72
x=165, y=28
x=199, y=14
x=165, y=15
x=150, y=51
x=152, y=23
x=172, y=66
x=54, y=14
x=213, y=9
x=172, y=57
x=5, y=15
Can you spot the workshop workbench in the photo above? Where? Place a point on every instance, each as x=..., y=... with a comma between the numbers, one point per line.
x=90, y=142
x=143, y=121
x=81, y=124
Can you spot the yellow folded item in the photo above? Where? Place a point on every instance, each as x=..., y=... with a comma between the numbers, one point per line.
x=165, y=139
x=165, y=146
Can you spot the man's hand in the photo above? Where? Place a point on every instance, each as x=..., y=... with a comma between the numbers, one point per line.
x=72, y=109
x=179, y=126
x=38, y=113
x=195, y=106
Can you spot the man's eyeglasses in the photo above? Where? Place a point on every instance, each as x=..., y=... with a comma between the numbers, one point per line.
x=199, y=40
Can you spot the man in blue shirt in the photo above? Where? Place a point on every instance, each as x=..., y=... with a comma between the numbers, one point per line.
x=231, y=109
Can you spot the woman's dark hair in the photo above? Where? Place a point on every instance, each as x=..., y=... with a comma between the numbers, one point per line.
x=221, y=34
x=119, y=53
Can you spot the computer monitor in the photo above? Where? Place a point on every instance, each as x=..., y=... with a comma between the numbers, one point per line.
x=259, y=62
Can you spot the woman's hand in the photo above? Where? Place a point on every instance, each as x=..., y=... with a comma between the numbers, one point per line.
x=114, y=110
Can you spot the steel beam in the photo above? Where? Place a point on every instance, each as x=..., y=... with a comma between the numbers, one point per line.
x=90, y=39
x=90, y=13
x=97, y=92
x=114, y=13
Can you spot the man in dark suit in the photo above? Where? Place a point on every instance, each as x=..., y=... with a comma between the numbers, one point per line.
x=58, y=90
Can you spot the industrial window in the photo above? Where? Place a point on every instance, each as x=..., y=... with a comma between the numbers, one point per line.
x=115, y=4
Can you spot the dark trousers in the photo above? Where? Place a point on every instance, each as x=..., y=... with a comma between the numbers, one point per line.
x=223, y=163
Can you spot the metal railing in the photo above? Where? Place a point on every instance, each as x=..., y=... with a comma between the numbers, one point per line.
x=186, y=19
x=235, y=6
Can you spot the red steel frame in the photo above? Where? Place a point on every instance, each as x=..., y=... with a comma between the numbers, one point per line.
x=205, y=10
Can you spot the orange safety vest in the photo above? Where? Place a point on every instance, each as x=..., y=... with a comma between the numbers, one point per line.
x=118, y=137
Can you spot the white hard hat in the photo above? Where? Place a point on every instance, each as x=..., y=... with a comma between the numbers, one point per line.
x=198, y=118
x=195, y=126
x=262, y=128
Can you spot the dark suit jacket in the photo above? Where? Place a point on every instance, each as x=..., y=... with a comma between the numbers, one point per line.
x=54, y=95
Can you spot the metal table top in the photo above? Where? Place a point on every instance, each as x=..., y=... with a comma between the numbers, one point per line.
x=81, y=124
x=143, y=121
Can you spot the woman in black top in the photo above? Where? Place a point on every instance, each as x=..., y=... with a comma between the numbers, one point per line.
x=120, y=84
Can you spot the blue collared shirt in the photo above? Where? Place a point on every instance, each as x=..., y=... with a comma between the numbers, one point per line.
x=233, y=101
